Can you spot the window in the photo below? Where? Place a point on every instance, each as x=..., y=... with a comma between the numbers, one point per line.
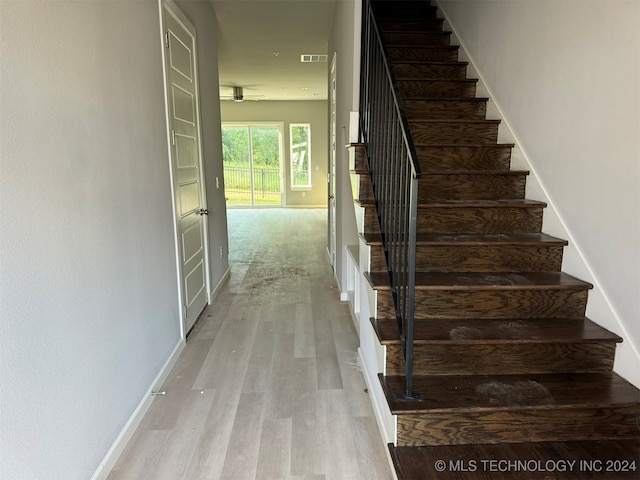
x=300, y=137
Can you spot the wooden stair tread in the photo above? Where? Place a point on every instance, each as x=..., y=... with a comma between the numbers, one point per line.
x=430, y=101
x=408, y=98
x=477, y=172
x=457, y=393
x=590, y=457
x=483, y=146
x=424, y=47
x=469, y=331
x=403, y=25
x=413, y=36
x=486, y=281
x=430, y=121
x=478, y=239
x=505, y=203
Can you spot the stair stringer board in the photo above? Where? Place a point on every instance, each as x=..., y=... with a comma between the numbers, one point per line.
x=363, y=305
x=600, y=307
x=372, y=353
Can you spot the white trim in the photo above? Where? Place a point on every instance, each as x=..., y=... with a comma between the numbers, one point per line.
x=214, y=293
x=371, y=388
x=176, y=233
x=118, y=446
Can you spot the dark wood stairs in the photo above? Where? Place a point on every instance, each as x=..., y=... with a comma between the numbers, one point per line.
x=507, y=366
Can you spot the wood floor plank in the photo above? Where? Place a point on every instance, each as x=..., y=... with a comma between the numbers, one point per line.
x=241, y=458
x=370, y=451
x=274, y=455
x=340, y=459
x=294, y=381
x=307, y=457
x=357, y=395
x=175, y=457
x=304, y=345
x=209, y=453
x=165, y=409
x=140, y=458
x=230, y=353
x=259, y=375
x=326, y=355
x=210, y=322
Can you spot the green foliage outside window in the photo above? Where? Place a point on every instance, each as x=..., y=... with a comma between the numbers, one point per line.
x=300, y=155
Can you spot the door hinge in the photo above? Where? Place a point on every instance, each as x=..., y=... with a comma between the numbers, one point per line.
x=173, y=137
x=166, y=39
x=184, y=312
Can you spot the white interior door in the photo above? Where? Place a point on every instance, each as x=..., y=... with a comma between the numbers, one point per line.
x=332, y=169
x=186, y=162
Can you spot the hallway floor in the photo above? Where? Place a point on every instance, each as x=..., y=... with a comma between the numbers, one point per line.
x=268, y=385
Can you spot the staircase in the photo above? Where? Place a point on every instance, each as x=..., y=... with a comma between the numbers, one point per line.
x=506, y=366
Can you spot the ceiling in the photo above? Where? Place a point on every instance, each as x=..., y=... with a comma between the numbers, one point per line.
x=260, y=43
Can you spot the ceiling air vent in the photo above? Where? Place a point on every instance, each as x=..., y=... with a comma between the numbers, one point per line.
x=311, y=58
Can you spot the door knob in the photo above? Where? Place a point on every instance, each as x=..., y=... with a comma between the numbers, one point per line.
x=203, y=211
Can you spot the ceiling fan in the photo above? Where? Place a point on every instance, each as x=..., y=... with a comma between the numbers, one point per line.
x=238, y=95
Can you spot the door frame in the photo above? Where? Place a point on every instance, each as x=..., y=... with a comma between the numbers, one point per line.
x=169, y=7
x=333, y=153
x=281, y=166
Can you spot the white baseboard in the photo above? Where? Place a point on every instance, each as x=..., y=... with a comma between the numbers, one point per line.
x=118, y=446
x=216, y=289
x=386, y=436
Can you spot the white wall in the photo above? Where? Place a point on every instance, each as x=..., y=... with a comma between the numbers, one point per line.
x=566, y=77
x=88, y=286
x=313, y=112
x=344, y=40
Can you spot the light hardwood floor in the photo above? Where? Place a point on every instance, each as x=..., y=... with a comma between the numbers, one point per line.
x=268, y=385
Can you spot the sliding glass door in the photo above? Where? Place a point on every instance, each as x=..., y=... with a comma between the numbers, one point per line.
x=252, y=155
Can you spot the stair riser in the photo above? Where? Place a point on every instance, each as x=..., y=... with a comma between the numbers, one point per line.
x=406, y=26
x=427, y=54
x=479, y=258
x=491, y=304
x=442, y=39
x=471, y=187
x=503, y=359
x=433, y=188
x=516, y=426
x=432, y=71
x=404, y=10
x=361, y=187
x=445, y=110
x=464, y=158
x=358, y=158
x=371, y=224
x=436, y=89
x=453, y=133
x=473, y=220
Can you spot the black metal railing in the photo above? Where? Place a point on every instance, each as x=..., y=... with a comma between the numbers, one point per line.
x=238, y=181
x=395, y=171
